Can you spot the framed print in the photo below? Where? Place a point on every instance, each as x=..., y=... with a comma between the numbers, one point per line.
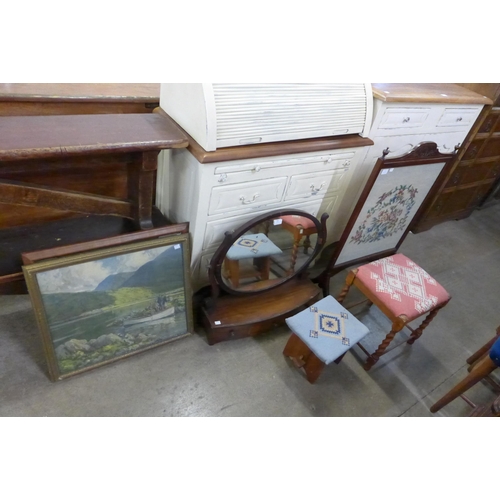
x=394, y=197
x=96, y=307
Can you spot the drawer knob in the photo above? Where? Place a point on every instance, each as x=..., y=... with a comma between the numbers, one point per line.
x=256, y=169
x=406, y=120
x=247, y=202
x=347, y=163
x=459, y=119
x=222, y=178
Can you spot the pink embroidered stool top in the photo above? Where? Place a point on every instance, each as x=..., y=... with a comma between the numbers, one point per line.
x=294, y=220
x=402, y=286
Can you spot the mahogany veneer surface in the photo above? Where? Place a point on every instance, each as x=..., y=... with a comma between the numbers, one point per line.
x=58, y=136
x=77, y=98
x=269, y=149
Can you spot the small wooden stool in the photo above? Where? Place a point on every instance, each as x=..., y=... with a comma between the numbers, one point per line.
x=300, y=227
x=250, y=246
x=321, y=334
x=403, y=291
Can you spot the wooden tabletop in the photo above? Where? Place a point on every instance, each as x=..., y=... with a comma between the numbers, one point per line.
x=88, y=92
x=427, y=92
x=23, y=137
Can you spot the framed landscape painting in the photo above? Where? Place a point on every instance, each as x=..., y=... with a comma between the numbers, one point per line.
x=96, y=307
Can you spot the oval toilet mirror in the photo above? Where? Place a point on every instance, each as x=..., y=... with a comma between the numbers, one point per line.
x=267, y=251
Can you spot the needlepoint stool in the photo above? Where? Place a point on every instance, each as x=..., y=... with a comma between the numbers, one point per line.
x=322, y=333
x=300, y=227
x=403, y=291
x=254, y=246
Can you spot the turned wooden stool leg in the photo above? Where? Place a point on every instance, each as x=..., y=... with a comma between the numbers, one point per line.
x=416, y=334
x=295, y=250
x=307, y=244
x=348, y=283
x=481, y=370
x=397, y=326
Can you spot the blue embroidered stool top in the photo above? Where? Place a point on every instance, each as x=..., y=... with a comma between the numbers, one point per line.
x=328, y=329
x=252, y=246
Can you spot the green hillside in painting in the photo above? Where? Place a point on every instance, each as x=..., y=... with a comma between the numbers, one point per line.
x=163, y=273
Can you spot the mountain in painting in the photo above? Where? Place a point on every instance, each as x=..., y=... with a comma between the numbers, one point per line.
x=167, y=267
x=113, y=282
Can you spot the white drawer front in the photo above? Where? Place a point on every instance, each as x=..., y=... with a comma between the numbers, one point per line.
x=404, y=118
x=318, y=184
x=246, y=197
x=458, y=117
x=289, y=162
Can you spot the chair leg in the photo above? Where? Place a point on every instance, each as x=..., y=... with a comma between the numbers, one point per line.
x=480, y=371
x=481, y=352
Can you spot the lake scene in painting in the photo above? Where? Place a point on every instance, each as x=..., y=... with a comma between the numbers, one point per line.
x=104, y=309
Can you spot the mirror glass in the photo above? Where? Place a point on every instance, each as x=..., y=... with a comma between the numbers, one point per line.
x=269, y=252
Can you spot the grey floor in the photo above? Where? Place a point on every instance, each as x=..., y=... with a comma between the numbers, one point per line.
x=250, y=377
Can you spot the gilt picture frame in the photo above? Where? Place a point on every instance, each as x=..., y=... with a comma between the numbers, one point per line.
x=395, y=195
x=96, y=307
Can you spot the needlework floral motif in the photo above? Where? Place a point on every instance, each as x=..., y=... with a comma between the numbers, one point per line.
x=388, y=216
x=328, y=324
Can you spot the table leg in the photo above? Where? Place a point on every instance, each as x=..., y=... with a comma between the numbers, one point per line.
x=141, y=181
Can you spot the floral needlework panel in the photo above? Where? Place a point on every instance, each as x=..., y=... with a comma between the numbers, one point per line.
x=389, y=209
x=388, y=216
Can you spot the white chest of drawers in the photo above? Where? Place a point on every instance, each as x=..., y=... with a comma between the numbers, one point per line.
x=408, y=114
x=219, y=196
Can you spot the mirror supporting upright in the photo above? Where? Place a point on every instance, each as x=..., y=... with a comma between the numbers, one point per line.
x=258, y=275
